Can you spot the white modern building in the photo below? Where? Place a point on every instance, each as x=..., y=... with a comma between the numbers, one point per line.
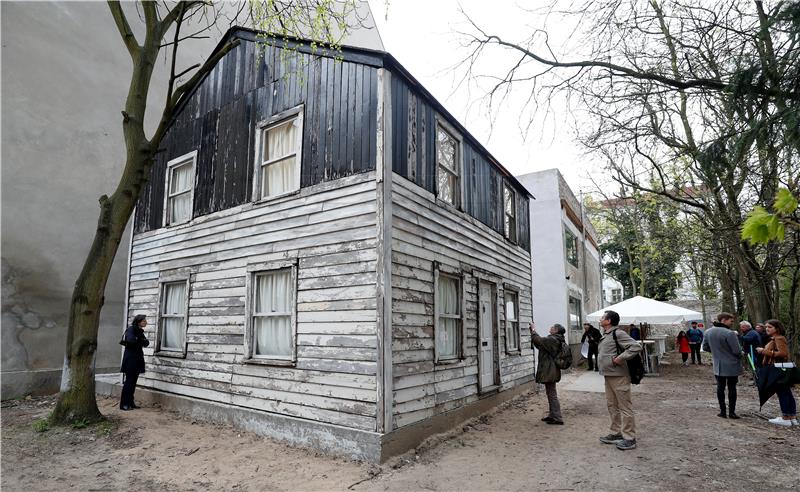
x=565, y=256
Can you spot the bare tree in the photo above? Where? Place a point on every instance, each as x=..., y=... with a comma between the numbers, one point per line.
x=166, y=27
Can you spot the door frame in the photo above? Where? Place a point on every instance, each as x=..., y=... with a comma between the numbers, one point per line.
x=493, y=283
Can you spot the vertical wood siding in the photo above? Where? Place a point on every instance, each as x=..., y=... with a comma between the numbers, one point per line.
x=331, y=231
x=423, y=233
x=414, y=158
x=219, y=121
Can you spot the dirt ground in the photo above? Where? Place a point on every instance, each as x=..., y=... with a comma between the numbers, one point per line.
x=682, y=445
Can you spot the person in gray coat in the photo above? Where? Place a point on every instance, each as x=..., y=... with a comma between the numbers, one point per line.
x=726, y=354
x=547, y=372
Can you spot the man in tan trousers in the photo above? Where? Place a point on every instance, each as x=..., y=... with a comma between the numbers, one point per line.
x=613, y=367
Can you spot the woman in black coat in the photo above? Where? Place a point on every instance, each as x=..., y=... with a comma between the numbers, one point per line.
x=133, y=359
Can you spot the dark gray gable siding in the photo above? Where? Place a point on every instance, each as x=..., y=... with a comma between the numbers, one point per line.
x=219, y=121
x=414, y=158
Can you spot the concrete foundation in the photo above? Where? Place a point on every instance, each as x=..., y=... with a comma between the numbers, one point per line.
x=327, y=438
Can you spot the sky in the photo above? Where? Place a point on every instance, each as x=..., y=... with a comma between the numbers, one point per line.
x=424, y=37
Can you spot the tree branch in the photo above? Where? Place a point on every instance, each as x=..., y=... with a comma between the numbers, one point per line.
x=124, y=28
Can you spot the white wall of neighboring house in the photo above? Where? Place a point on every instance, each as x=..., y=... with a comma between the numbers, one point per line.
x=612, y=287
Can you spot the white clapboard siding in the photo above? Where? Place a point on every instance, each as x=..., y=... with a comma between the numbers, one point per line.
x=329, y=232
x=424, y=232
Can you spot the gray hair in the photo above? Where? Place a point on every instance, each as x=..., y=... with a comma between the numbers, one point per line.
x=746, y=323
x=561, y=329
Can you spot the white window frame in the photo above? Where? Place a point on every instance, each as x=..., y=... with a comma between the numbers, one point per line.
x=579, y=325
x=457, y=162
x=178, y=162
x=515, y=320
x=616, y=296
x=254, y=270
x=511, y=233
x=453, y=273
x=162, y=298
x=263, y=127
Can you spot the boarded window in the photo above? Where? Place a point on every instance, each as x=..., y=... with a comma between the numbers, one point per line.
x=272, y=315
x=448, y=309
x=571, y=248
x=512, y=321
x=447, y=164
x=173, y=317
x=280, y=164
x=180, y=185
x=510, y=213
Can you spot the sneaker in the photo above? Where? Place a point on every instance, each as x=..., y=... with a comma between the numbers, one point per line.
x=733, y=416
x=781, y=421
x=555, y=422
x=794, y=422
x=626, y=444
x=612, y=439
x=547, y=419
x=722, y=415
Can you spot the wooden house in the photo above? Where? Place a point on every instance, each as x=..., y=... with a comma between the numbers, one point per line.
x=328, y=256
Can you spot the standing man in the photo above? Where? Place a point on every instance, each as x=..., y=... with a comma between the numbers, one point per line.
x=695, y=340
x=634, y=332
x=614, y=368
x=547, y=372
x=592, y=336
x=726, y=355
x=751, y=340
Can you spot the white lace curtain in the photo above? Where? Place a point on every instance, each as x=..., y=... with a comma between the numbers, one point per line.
x=272, y=318
x=174, y=316
x=280, y=159
x=180, y=193
x=448, y=305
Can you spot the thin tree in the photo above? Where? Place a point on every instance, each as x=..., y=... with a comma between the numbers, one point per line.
x=166, y=27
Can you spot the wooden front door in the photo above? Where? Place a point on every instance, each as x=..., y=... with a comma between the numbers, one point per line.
x=486, y=336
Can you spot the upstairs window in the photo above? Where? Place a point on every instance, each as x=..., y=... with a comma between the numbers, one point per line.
x=509, y=213
x=571, y=248
x=575, y=323
x=616, y=296
x=173, y=317
x=447, y=164
x=180, y=187
x=278, y=172
x=512, y=321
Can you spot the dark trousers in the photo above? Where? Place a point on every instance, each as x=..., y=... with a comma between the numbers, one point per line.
x=593, y=353
x=128, y=387
x=730, y=382
x=695, y=347
x=685, y=356
x=787, y=402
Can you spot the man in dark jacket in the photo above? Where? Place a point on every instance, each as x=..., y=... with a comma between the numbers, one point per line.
x=132, y=360
x=592, y=335
x=751, y=340
x=695, y=340
x=547, y=372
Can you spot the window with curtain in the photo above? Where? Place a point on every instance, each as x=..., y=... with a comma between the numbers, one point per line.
x=281, y=157
x=272, y=311
x=571, y=248
x=173, y=317
x=180, y=181
x=447, y=159
x=448, y=306
x=509, y=213
x=512, y=321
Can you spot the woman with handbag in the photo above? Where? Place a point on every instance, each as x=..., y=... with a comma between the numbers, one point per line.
x=682, y=344
x=132, y=360
x=777, y=351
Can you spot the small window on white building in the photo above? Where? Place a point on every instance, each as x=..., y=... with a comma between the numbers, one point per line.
x=571, y=248
x=616, y=296
x=447, y=164
x=512, y=321
x=575, y=314
x=448, y=323
x=510, y=213
x=180, y=187
x=278, y=172
x=271, y=332
x=172, y=317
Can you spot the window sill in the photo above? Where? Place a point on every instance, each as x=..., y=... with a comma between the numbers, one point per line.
x=276, y=198
x=514, y=352
x=270, y=362
x=168, y=353
x=451, y=362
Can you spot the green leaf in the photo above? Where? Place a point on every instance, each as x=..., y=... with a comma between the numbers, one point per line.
x=785, y=202
x=756, y=228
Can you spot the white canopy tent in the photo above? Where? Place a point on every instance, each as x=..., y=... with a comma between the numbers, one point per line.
x=643, y=310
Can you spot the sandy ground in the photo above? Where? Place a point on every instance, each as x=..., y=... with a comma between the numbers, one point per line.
x=682, y=445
